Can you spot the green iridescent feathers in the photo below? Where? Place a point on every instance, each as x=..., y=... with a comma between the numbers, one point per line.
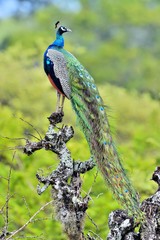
x=89, y=108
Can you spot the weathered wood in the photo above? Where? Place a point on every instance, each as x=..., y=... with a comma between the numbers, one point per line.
x=122, y=227
x=70, y=206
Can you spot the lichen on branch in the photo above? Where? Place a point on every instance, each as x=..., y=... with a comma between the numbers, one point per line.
x=70, y=206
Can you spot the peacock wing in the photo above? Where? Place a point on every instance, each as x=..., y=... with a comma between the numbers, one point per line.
x=60, y=69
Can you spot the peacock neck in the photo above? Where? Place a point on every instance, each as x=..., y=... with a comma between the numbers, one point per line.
x=59, y=42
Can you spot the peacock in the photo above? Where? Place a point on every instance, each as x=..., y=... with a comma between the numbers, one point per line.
x=72, y=81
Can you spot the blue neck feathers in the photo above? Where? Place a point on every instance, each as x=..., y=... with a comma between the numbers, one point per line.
x=59, y=42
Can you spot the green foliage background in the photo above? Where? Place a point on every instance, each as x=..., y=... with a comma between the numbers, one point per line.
x=118, y=42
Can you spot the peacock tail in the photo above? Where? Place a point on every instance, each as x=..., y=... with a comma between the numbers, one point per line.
x=79, y=86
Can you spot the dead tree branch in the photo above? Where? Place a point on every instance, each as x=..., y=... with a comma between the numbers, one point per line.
x=12, y=234
x=122, y=227
x=70, y=206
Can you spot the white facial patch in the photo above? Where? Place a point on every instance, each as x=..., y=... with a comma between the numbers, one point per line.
x=63, y=29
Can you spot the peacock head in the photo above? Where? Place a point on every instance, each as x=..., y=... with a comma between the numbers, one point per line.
x=61, y=29
x=59, y=42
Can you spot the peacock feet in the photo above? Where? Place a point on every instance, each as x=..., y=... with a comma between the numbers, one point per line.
x=56, y=117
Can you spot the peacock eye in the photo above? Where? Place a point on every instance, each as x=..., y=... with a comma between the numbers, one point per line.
x=63, y=29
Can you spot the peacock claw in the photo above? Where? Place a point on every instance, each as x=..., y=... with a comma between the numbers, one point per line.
x=55, y=117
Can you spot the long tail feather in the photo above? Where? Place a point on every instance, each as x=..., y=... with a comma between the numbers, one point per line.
x=93, y=120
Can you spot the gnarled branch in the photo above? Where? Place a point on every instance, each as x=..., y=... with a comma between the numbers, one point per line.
x=65, y=181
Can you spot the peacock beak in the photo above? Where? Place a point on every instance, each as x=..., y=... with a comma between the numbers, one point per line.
x=69, y=30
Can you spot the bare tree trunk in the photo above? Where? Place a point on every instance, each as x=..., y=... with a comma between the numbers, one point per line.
x=70, y=206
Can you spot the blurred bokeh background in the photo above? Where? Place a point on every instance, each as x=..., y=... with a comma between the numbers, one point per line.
x=118, y=42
